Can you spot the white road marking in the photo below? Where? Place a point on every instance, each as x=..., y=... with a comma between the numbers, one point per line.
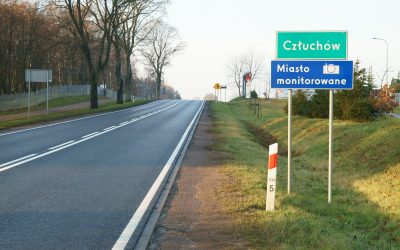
x=32, y=157
x=79, y=119
x=144, y=205
x=63, y=144
x=16, y=160
x=109, y=128
x=95, y=133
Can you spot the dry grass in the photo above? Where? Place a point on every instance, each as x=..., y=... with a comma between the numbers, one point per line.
x=365, y=212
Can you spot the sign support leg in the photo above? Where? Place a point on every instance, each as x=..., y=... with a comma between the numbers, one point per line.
x=29, y=95
x=289, y=139
x=47, y=94
x=330, y=146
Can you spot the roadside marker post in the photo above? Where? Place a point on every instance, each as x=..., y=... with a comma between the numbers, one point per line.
x=272, y=167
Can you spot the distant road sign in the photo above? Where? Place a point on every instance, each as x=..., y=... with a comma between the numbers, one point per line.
x=312, y=74
x=217, y=86
x=311, y=45
x=38, y=75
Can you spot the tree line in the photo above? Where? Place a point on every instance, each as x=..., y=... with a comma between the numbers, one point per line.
x=92, y=41
x=361, y=103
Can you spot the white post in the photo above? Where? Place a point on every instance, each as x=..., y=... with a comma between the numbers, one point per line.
x=29, y=94
x=330, y=146
x=289, y=139
x=387, y=63
x=47, y=94
x=272, y=167
x=225, y=94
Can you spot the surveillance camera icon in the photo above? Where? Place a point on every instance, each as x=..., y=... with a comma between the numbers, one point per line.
x=330, y=69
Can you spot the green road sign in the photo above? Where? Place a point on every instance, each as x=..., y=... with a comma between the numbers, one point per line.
x=311, y=45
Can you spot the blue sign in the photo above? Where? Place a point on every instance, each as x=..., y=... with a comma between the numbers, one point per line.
x=312, y=74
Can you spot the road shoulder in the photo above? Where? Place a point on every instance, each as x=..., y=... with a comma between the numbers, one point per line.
x=192, y=217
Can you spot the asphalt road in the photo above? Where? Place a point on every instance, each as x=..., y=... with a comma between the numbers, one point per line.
x=77, y=184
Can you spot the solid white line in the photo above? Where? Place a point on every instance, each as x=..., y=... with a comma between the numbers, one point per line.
x=79, y=119
x=19, y=159
x=18, y=162
x=123, y=123
x=95, y=133
x=137, y=216
x=63, y=144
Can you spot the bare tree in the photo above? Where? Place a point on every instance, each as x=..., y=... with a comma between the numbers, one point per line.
x=240, y=65
x=140, y=20
x=92, y=27
x=161, y=45
x=236, y=71
x=133, y=23
x=253, y=65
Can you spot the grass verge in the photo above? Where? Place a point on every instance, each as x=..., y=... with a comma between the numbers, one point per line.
x=54, y=103
x=68, y=114
x=365, y=211
x=397, y=110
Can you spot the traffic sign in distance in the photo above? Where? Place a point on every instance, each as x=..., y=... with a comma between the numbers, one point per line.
x=312, y=74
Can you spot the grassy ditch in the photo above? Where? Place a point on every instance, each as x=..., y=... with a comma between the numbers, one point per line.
x=106, y=107
x=365, y=211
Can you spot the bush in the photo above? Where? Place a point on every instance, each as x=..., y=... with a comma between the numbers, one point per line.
x=384, y=102
x=253, y=94
x=354, y=104
x=319, y=104
x=300, y=104
x=362, y=110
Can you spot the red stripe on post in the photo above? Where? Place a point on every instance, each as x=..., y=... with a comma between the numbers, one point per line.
x=273, y=161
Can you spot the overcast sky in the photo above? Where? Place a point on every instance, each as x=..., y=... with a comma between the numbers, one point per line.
x=216, y=30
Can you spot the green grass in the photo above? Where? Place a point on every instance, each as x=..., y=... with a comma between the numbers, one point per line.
x=365, y=210
x=54, y=103
x=397, y=110
x=67, y=114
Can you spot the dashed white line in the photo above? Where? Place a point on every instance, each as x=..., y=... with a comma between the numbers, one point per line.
x=109, y=128
x=16, y=160
x=95, y=133
x=60, y=147
x=79, y=119
x=63, y=144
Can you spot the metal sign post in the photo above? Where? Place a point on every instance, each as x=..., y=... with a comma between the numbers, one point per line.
x=330, y=167
x=38, y=75
x=29, y=95
x=47, y=92
x=289, y=154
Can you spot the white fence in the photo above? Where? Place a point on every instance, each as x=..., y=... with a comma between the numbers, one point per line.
x=8, y=102
x=16, y=101
x=110, y=93
x=397, y=97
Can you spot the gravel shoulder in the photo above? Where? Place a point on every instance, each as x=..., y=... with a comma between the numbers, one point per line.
x=193, y=217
